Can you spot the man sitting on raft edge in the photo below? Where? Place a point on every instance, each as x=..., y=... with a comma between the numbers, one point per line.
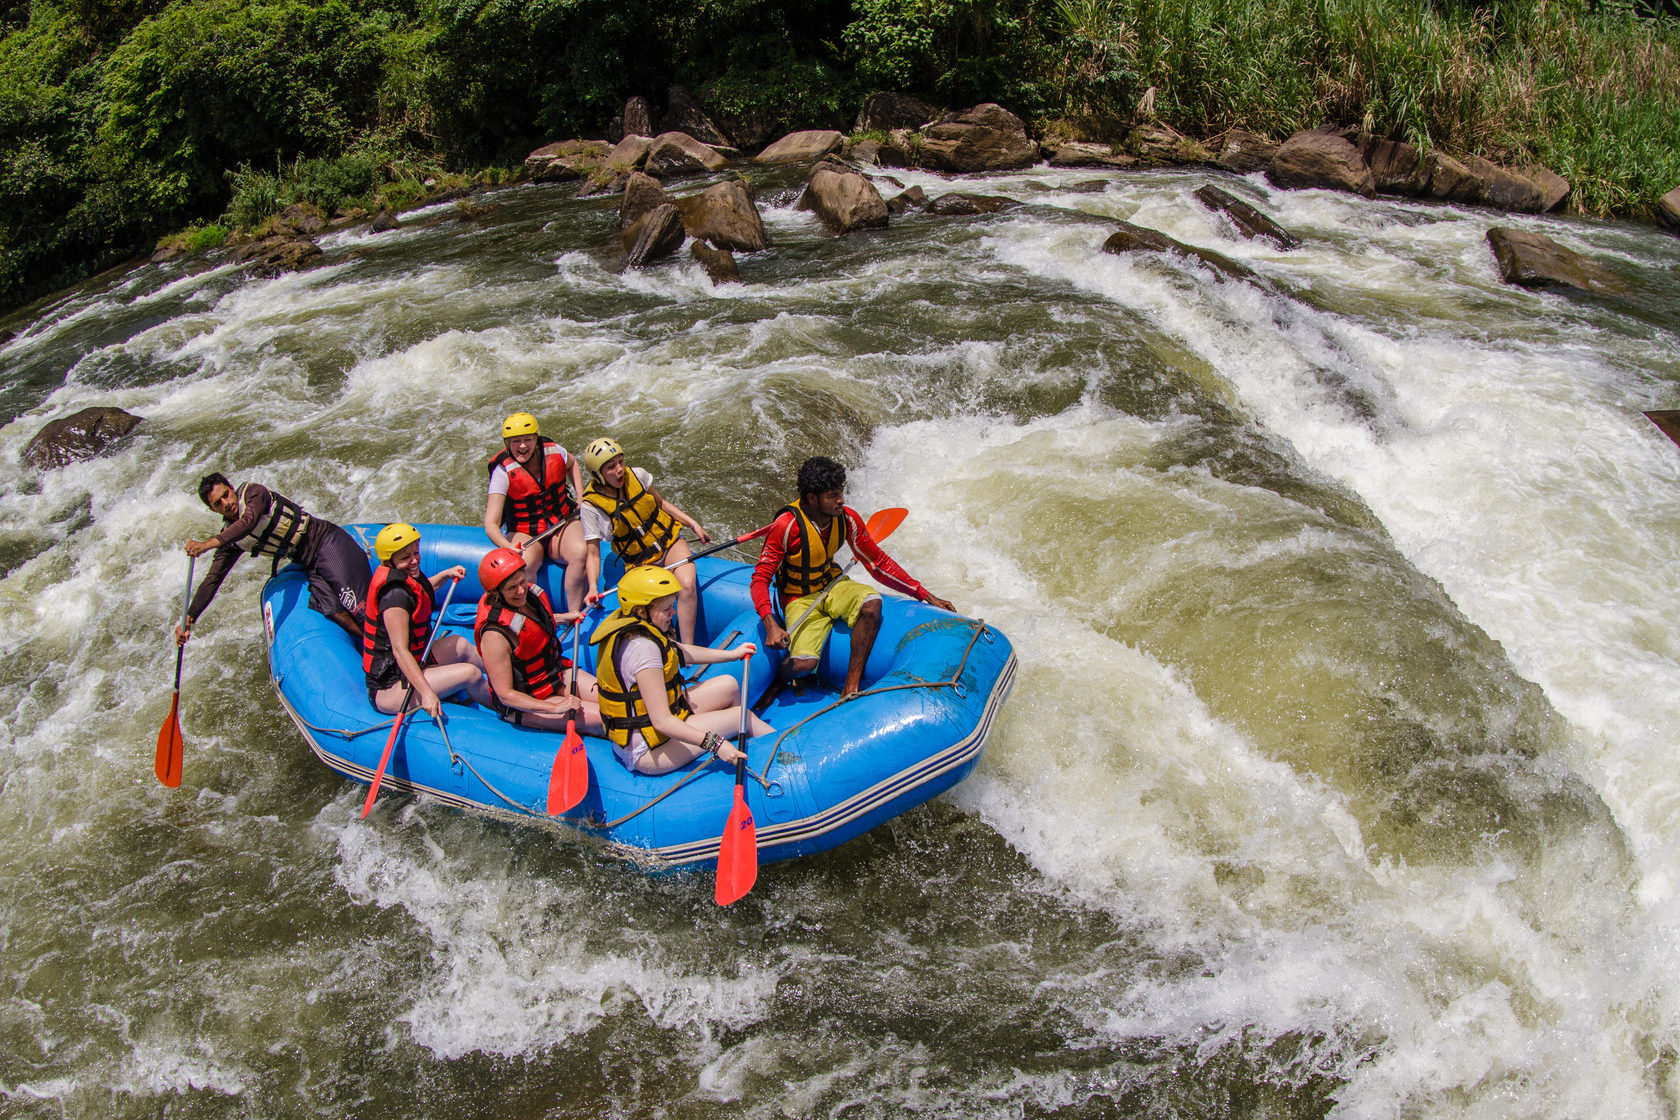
x=799, y=556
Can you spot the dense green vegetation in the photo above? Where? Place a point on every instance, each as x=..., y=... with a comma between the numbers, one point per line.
x=121, y=120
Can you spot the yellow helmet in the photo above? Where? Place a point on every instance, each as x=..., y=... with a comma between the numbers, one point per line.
x=599, y=453
x=644, y=585
x=392, y=539
x=519, y=424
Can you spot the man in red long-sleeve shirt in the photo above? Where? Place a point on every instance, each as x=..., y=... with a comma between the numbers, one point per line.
x=799, y=556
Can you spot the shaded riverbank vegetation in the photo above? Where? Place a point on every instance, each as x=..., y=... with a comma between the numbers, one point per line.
x=123, y=120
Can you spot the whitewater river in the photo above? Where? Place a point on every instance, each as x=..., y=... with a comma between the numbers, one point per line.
x=1338, y=778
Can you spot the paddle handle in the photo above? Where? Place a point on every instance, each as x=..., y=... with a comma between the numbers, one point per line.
x=186, y=599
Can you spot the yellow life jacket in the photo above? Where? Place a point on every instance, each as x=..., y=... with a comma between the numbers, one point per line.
x=810, y=567
x=622, y=710
x=641, y=529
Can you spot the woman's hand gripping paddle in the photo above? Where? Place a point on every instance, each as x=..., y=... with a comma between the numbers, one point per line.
x=568, y=782
x=737, y=868
x=168, y=764
x=402, y=709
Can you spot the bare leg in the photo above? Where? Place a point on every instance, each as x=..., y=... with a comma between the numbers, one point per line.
x=569, y=547
x=863, y=640
x=688, y=598
x=671, y=754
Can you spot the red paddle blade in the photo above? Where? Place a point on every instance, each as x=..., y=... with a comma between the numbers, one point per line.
x=882, y=522
x=168, y=765
x=384, y=759
x=737, y=868
x=569, y=780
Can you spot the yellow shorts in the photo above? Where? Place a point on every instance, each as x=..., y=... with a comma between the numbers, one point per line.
x=844, y=600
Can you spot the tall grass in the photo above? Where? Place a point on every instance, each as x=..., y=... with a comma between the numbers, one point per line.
x=1593, y=90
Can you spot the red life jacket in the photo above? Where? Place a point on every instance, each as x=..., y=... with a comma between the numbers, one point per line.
x=537, y=663
x=534, y=505
x=377, y=661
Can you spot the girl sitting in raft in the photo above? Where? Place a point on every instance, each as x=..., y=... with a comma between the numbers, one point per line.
x=529, y=678
x=529, y=496
x=396, y=624
x=655, y=724
x=620, y=505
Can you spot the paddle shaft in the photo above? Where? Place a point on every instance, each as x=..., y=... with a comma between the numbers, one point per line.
x=718, y=546
x=737, y=868
x=402, y=708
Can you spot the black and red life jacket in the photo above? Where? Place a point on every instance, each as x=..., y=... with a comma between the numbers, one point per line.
x=537, y=662
x=535, y=504
x=377, y=661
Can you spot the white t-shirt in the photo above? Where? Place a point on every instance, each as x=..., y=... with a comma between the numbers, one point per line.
x=636, y=655
x=597, y=526
x=499, y=474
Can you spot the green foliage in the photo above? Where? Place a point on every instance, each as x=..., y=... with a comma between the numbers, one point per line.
x=956, y=50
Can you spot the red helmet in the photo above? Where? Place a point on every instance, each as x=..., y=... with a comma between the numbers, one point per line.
x=498, y=564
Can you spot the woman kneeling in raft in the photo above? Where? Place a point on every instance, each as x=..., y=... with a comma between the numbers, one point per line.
x=529, y=496
x=655, y=724
x=515, y=634
x=621, y=505
x=396, y=624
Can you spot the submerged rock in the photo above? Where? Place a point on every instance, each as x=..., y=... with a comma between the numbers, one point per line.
x=1138, y=239
x=1533, y=260
x=718, y=263
x=81, y=435
x=1249, y=221
x=957, y=204
x=907, y=199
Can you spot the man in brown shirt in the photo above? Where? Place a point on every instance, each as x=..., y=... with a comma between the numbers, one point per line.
x=264, y=522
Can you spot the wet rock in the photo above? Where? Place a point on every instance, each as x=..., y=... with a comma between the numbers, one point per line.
x=642, y=195
x=1668, y=209
x=654, y=236
x=476, y=211
x=300, y=217
x=1533, y=260
x=1506, y=189
x=1554, y=188
x=608, y=180
x=902, y=149
x=862, y=151
x=683, y=113
x=1452, y=181
x=282, y=253
x=957, y=204
x=718, y=263
x=638, y=118
x=844, y=200
x=987, y=137
x=1138, y=239
x=802, y=147
x=677, y=153
x=1396, y=166
x=1087, y=153
x=1668, y=419
x=886, y=111
x=566, y=159
x=1250, y=222
x=1243, y=152
x=724, y=214
x=81, y=435
x=383, y=221
x=1321, y=158
x=1159, y=145
x=910, y=198
x=630, y=153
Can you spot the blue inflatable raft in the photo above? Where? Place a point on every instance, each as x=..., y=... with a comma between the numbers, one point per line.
x=831, y=770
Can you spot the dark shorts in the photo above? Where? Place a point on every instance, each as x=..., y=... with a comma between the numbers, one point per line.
x=338, y=574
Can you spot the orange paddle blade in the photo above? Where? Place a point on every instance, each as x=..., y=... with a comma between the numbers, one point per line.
x=883, y=521
x=384, y=760
x=737, y=868
x=168, y=765
x=569, y=780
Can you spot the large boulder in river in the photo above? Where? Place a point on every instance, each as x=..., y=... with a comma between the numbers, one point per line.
x=654, y=236
x=1504, y=189
x=718, y=263
x=1087, y=153
x=1139, y=239
x=1533, y=260
x=630, y=153
x=1554, y=188
x=683, y=113
x=725, y=215
x=566, y=159
x=81, y=435
x=1452, y=181
x=1396, y=166
x=987, y=137
x=844, y=200
x=1321, y=158
x=271, y=256
x=802, y=147
x=1668, y=209
x=642, y=195
x=1242, y=151
x=884, y=112
x=677, y=153
x=1159, y=145
x=1248, y=221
